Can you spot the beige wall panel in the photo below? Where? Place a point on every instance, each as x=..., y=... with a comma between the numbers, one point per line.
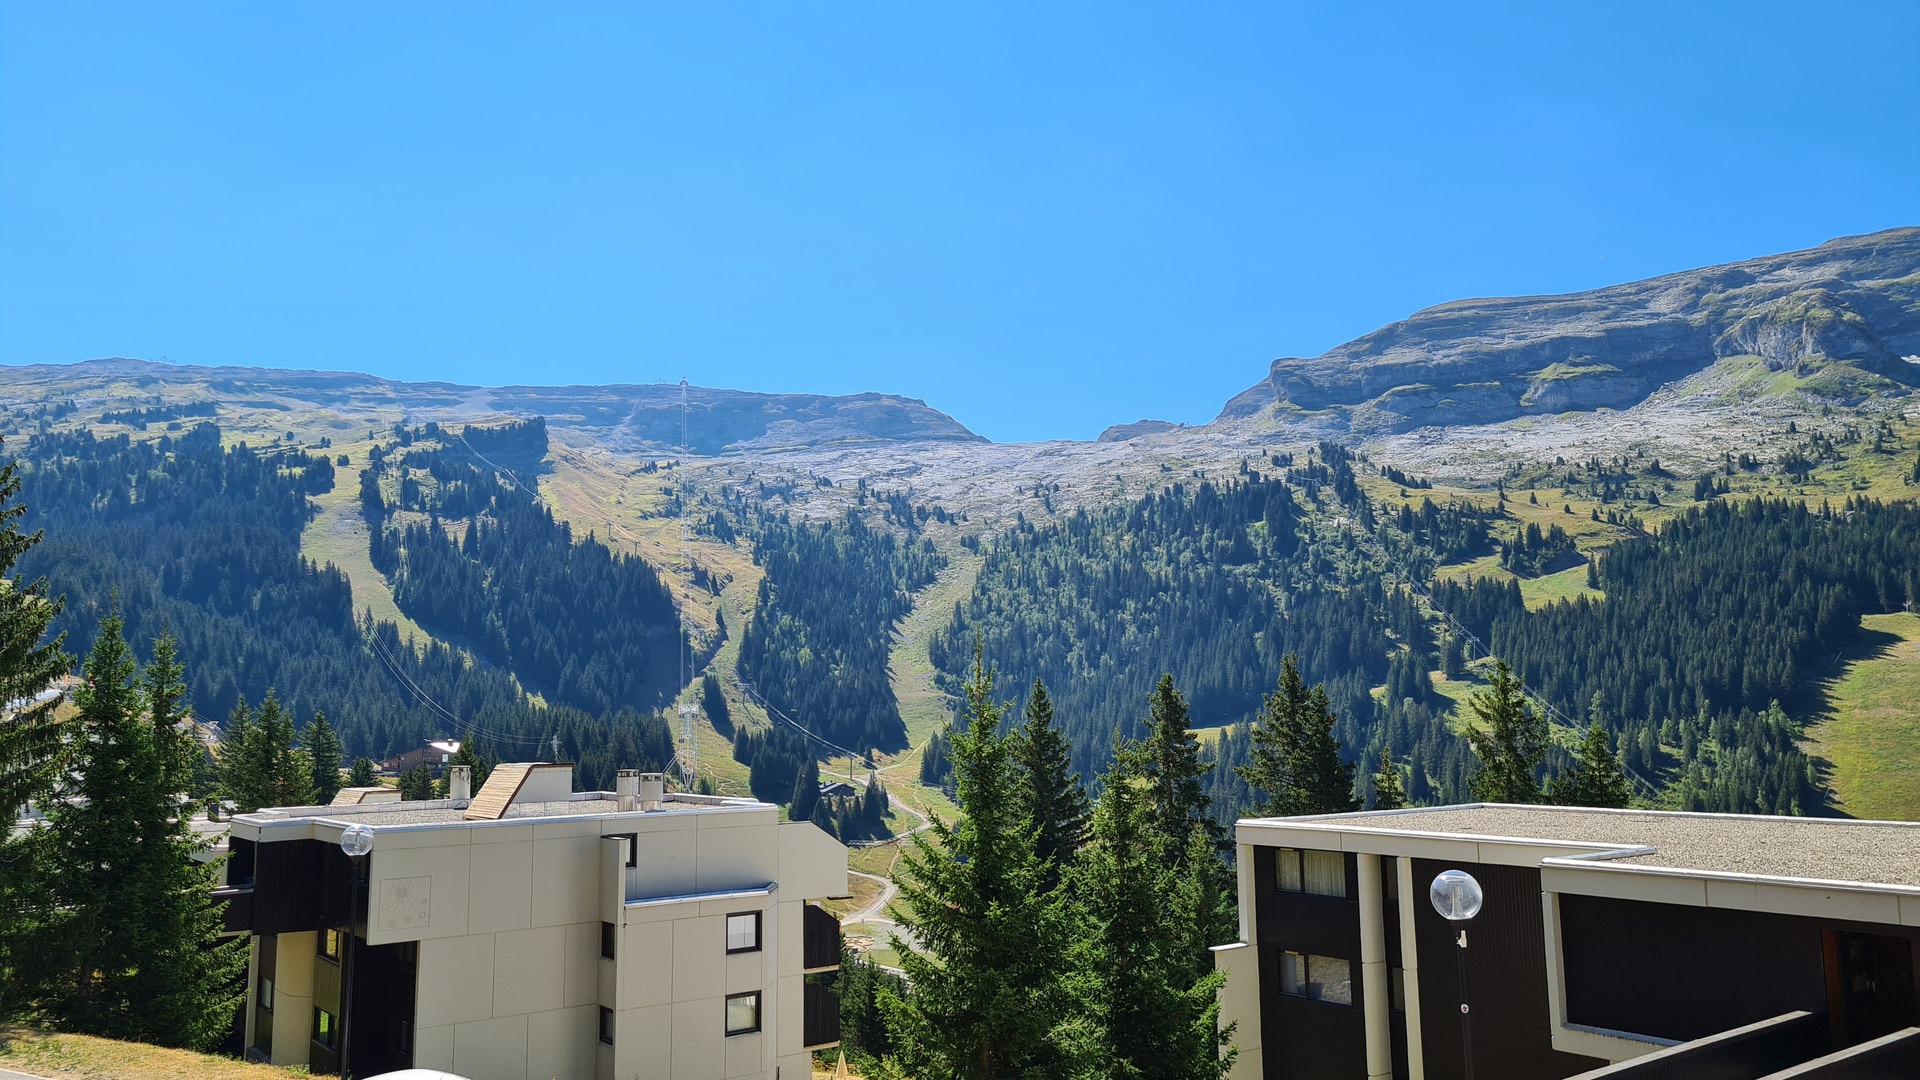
x=794, y=1065
x=666, y=864
x=646, y=964
x=293, y=963
x=529, y=970
x=561, y=1044
x=556, y=830
x=1813, y=902
x=789, y=997
x=491, y=1049
x=699, y=955
x=812, y=864
x=737, y=818
x=568, y=872
x=746, y=971
x=485, y=832
x=1910, y=910
x=699, y=1037
x=643, y=1044
x=404, y=839
x=789, y=937
x=745, y=1053
x=456, y=981
x=501, y=883
x=1624, y=885
x=253, y=986
x=582, y=964
x=292, y=1027
x=433, y=1047
x=437, y=912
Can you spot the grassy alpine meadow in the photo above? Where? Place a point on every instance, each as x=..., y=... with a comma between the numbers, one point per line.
x=1871, y=734
x=58, y=1055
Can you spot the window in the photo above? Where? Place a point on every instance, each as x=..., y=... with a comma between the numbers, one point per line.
x=1286, y=866
x=265, y=997
x=1319, y=873
x=633, y=846
x=1317, y=978
x=743, y=1013
x=743, y=932
x=606, y=1025
x=329, y=945
x=407, y=954
x=606, y=940
x=1390, y=877
x=1324, y=872
x=1397, y=988
x=325, y=1028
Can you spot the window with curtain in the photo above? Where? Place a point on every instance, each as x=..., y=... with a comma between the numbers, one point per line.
x=1323, y=873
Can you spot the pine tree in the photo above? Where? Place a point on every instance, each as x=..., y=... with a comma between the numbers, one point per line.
x=323, y=758
x=806, y=792
x=1510, y=741
x=416, y=784
x=1597, y=778
x=981, y=1005
x=124, y=844
x=1139, y=1003
x=1173, y=766
x=1387, y=792
x=259, y=765
x=475, y=757
x=1295, y=758
x=31, y=737
x=1050, y=797
x=362, y=774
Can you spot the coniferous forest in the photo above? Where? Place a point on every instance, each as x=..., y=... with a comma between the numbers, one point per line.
x=817, y=645
x=189, y=537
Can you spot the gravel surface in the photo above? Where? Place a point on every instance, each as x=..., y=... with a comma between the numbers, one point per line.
x=1821, y=849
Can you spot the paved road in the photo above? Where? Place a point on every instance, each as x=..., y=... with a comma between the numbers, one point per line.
x=6, y=1074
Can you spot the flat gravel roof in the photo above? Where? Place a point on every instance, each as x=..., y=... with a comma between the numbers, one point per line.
x=1819, y=849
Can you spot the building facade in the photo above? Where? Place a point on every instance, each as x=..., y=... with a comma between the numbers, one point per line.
x=532, y=931
x=1618, y=943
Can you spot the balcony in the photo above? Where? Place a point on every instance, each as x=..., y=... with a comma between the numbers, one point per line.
x=821, y=934
x=821, y=1022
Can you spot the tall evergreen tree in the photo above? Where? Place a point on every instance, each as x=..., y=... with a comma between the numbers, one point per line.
x=1597, y=777
x=981, y=1004
x=1173, y=767
x=1511, y=741
x=1140, y=1002
x=323, y=758
x=1050, y=795
x=259, y=765
x=31, y=736
x=1295, y=757
x=416, y=784
x=361, y=774
x=474, y=756
x=1388, y=794
x=124, y=844
x=806, y=792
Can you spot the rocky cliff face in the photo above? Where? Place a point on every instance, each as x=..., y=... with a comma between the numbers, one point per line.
x=638, y=417
x=1853, y=302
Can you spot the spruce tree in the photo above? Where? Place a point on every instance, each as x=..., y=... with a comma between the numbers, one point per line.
x=1173, y=767
x=1140, y=1003
x=125, y=845
x=416, y=784
x=806, y=792
x=1597, y=777
x=362, y=774
x=1295, y=757
x=475, y=757
x=31, y=736
x=1511, y=741
x=259, y=765
x=323, y=758
x=1050, y=796
x=1387, y=792
x=988, y=956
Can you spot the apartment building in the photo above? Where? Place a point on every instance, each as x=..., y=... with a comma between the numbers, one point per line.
x=1608, y=943
x=533, y=932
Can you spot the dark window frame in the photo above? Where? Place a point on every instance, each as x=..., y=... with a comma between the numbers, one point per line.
x=758, y=1024
x=325, y=1033
x=609, y=941
x=606, y=1025
x=757, y=928
x=263, y=992
x=633, y=846
x=327, y=935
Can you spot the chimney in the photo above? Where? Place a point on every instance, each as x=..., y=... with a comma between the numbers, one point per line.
x=627, y=787
x=460, y=782
x=653, y=790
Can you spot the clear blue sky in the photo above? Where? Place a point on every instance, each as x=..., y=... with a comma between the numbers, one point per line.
x=1042, y=219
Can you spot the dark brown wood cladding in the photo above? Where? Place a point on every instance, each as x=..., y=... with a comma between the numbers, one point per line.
x=821, y=937
x=287, y=885
x=1308, y=1039
x=1506, y=976
x=1641, y=967
x=820, y=1015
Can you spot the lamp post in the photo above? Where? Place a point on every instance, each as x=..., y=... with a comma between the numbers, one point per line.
x=1456, y=896
x=357, y=842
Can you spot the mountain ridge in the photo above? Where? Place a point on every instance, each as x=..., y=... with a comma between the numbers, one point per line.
x=1851, y=304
